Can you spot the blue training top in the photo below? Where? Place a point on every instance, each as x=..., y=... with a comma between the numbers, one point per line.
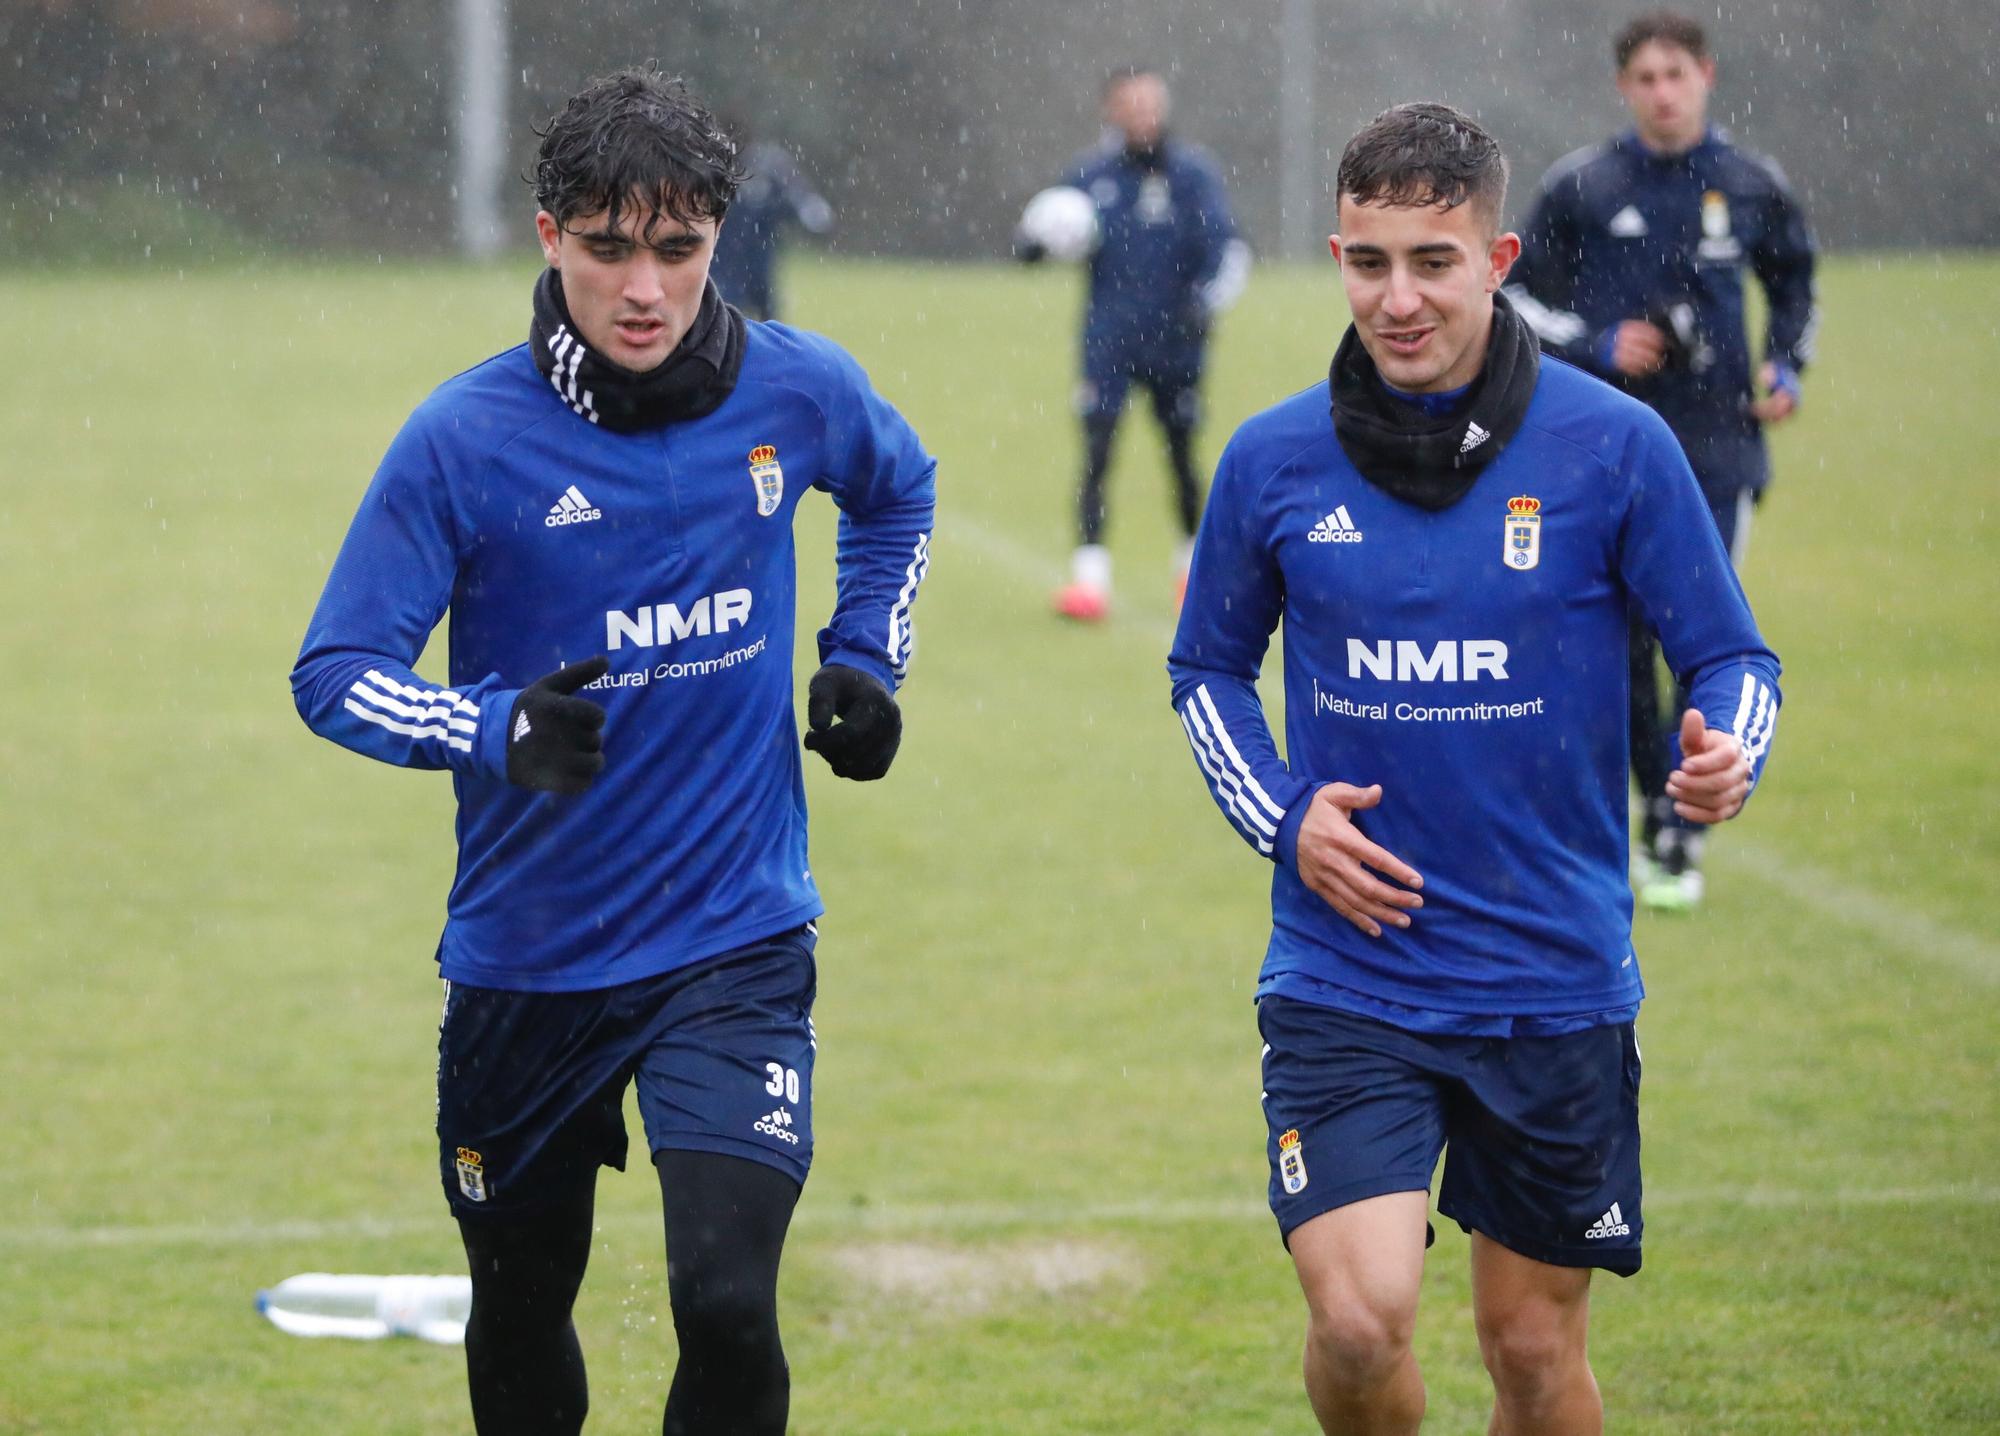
x=1163, y=263
x=551, y=539
x=1473, y=662
x=1619, y=232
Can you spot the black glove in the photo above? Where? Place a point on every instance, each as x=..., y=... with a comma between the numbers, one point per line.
x=1685, y=347
x=555, y=743
x=863, y=744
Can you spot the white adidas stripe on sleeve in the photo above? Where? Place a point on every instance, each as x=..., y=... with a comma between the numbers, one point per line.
x=1230, y=799
x=1756, y=719
x=1558, y=326
x=902, y=633
x=1230, y=781
x=1242, y=768
x=1228, y=788
x=404, y=690
x=409, y=730
x=416, y=712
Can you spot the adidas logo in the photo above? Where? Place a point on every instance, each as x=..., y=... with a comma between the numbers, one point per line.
x=777, y=1124
x=571, y=508
x=1474, y=437
x=520, y=727
x=1628, y=223
x=1336, y=527
x=1611, y=1224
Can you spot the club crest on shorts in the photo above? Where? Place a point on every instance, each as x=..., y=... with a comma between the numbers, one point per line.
x=1523, y=547
x=471, y=1175
x=1292, y=1162
x=768, y=477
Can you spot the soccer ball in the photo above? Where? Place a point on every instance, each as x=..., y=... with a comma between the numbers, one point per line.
x=1063, y=221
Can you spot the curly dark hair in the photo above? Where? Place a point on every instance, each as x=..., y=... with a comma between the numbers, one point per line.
x=1424, y=154
x=636, y=138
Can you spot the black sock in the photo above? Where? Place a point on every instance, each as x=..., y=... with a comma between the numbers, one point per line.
x=1187, y=487
x=522, y=1361
x=1098, y=431
x=726, y=1222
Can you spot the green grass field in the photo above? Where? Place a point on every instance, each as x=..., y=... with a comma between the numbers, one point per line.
x=1038, y=1199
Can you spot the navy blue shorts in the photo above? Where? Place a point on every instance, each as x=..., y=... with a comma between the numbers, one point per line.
x=1171, y=374
x=1541, y=1133
x=531, y=1085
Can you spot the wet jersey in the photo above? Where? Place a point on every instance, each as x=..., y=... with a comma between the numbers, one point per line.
x=549, y=539
x=1472, y=661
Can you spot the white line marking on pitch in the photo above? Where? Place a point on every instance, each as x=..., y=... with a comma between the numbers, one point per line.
x=1894, y=925
x=834, y=1217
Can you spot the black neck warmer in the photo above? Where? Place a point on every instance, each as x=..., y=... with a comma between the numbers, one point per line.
x=1425, y=459
x=1148, y=157
x=692, y=381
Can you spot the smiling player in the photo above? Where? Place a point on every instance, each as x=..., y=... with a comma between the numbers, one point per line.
x=1451, y=529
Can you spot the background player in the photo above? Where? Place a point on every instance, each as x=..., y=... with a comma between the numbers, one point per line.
x=1632, y=266
x=774, y=195
x=606, y=511
x=1451, y=531
x=1168, y=261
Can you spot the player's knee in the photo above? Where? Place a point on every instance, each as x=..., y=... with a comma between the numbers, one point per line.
x=1529, y=1352
x=1358, y=1344
x=722, y=1314
x=524, y=1278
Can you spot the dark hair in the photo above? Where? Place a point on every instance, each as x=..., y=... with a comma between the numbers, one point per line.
x=1424, y=154
x=1123, y=74
x=636, y=138
x=1669, y=27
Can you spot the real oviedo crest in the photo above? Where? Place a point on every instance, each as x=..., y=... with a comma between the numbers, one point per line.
x=1292, y=1162
x=1523, y=548
x=768, y=477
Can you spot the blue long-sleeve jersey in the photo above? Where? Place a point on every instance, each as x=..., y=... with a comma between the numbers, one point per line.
x=550, y=539
x=1168, y=257
x=1619, y=232
x=1472, y=661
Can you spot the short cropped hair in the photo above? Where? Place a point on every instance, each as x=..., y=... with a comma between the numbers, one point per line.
x=1124, y=74
x=1421, y=155
x=636, y=138
x=1669, y=27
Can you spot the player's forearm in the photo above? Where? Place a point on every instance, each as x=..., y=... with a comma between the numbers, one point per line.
x=1562, y=332
x=378, y=707
x=1740, y=697
x=884, y=557
x=1226, y=728
x=1226, y=276
x=1793, y=330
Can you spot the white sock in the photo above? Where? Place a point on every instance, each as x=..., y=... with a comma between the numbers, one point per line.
x=1090, y=566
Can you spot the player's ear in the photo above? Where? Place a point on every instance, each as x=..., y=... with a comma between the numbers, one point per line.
x=550, y=234
x=1333, y=244
x=1500, y=257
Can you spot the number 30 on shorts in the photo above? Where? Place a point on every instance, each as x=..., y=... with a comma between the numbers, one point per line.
x=784, y=1081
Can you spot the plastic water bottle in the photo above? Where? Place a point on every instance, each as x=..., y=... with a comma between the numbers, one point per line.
x=431, y=1308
